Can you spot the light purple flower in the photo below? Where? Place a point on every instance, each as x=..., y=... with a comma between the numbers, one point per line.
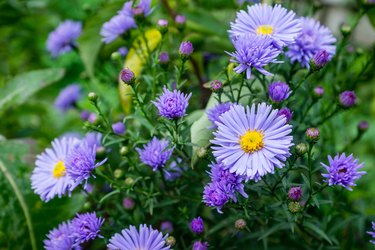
x=155, y=153
x=163, y=57
x=197, y=226
x=60, y=238
x=115, y=27
x=313, y=38
x=86, y=227
x=172, y=105
x=49, y=178
x=199, y=245
x=174, y=170
x=146, y=238
x=263, y=20
x=118, y=128
x=143, y=8
x=372, y=233
x=252, y=141
x=213, y=114
x=253, y=52
x=343, y=171
x=180, y=19
x=215, y=195
x=63, y=38
x=279, y=91
x=186, y=48
x=68, y=97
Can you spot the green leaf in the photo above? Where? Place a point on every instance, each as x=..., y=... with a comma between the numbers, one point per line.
x=371, y=16
x=318, y=231
x=203, y=22
x=22, y=87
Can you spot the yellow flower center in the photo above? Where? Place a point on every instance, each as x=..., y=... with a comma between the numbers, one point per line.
x=251, y=141
x=264, y=30
x=59, y=170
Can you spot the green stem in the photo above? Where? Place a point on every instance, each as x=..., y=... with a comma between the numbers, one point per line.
x=22, y=202
x=239, y=91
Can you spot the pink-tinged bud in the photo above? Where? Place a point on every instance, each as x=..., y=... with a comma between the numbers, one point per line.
x=363, y=126
x=216, y=85
x=186, y=49
x=318, y=92
x=127, y=76
x=295, y=193
x=312, y=134
x=180, y=21
x=347, y=99
x=163, y=26
x=128, y=203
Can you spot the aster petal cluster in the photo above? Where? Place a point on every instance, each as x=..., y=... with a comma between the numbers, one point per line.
x=146, y=238
x=68, y=97
x=279, y=91
x=174, y=170
x=60, y=238
x=252, y=141
x=172, y=104
x=313, y=38
x=50, y=178
x=86, y=227
x=253, y=52
x=142, y=8
x=155, y=153
x=343, y=171
x=372, y=233
x=213, y=114
x=115, y=27
x=263, y=20
x=63, y=38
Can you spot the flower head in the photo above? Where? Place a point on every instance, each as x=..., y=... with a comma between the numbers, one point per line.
x=312, y=134
x=263, y=20
x=295, y=193
x=279, y=91
x=172, y=105
x=60, y=238
x=86, y=227
x=214, y=113
x=252, y=141
x=286, y=113
x=199, y=245
x=155, y=153
x=115, y=27
x=216, y=85
x=118, y=128
x=372, y=233
x=186, y=49
x=313, y=38
x=343, y=171
x=180, y=19
x=347, y=99
x=363, y=126
x=215, y=195
x=146, y=238
x=128, y=203
x=127, y=76
x=174, y=170
x=253, y=52
x=163, y=58
x=166, y=226
x=68, y=97
x=63, y=38
x=81, y=162
x=49, y=178
x=143, y=8
x=197, y=225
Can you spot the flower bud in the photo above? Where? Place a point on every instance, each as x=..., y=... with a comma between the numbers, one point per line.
x=163, y=26
x=199, y=245
x=118, y=173
x=240, y=224
x=347, y=99
x=118, y=128
x=87, y=206
x=318, y=92
x=92, y=118
x=197, y=225
x=115, y=56
x=164, y=58
x=166, y=226
x=100, y=152
x=294, y=207
x=128, y=203
x=345, y=29
x=186, y=49
x=180, y=21
x=127, y=76
x=123, y=51
x=285, y=112
x=86, y=125
x=301, y=148
x=124, y=150
x=362, y=126
x=201, y=152
x=129, y=182
x=93, y=97
x=278, y=91
x=312, y=134
x=84, y=115
x=170, y=241
x=319, y=60
x=216, y=85
x=295, y=193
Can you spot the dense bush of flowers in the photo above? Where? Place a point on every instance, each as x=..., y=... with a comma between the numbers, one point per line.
x=199, y=133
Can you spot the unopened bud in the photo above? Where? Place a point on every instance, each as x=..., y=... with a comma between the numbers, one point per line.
x=180, y=21
x=129, y=181
x=295, y=193
x=362, y=126
x=128, y=203
x=294, y=207
x=201, y=152
x=240, y=224
x=124, y=150
x=118, y=173
x=93, y=97
x=312, y=134
x=127, y=76
x=163, y=26
x=301, y=149
x=347, y=99
x=216, y=85
x=318, y=92
x=345, y=29
x=319, y=60
x=170, y=241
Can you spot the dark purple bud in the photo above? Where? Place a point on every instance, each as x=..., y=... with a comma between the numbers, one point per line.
x=85, y=115
x=197, y=225
x=118, y=128
x=347, y=99
x=127, y=76
x=278, y=91
x=362, y=126
x=319, y=60
x=285, y=112
x=199, y=245
x=163, y=58
x=295, y=193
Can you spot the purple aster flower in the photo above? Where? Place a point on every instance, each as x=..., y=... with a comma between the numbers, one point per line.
x=49, y=178
x=155, y=153
x=180, y=19
x=197, y=225
x=279, y=91
x=215, y=195
x=60, y=238
x=313, y=38
x=123, y=51
x=68, y=97
x=347, y=99
x=253, y=52
x=343, y=171
x=216, y=85
x=174, y=170
x=295, y=193
x=163, y=58
x=286, y=113
x=213, y=114
x=63, y=38
x=146, y=238
x=93, y=138
x=128, y=203
x=252, y=141
x=186, y=48
x=86, y=227
x=232, y=182
x=263, y=20
x=142, y=9
x=115, y=27
x=172, y=105
x=312, y=134
x=199, y=245
x=118, y=128
x=80, y=162
x=372, y=233
x=166, y=226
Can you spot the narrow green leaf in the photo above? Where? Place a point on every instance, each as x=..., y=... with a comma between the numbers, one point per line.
x=318, y=231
